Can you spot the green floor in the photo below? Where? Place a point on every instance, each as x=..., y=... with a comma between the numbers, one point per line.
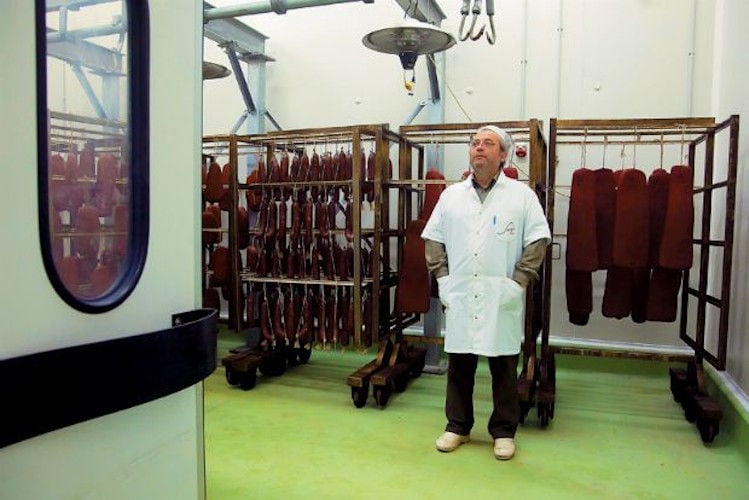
x=616, y=433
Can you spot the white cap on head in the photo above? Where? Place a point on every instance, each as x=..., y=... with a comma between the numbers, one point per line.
x=508, y=145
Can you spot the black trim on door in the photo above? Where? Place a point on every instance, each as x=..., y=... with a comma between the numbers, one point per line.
x=46, y=391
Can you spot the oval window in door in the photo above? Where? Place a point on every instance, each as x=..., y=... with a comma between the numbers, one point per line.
x=92, y=95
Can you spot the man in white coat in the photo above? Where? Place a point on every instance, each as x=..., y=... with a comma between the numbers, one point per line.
x=485, y=241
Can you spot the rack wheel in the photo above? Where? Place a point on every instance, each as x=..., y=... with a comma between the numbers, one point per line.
x=274, y=364
x=544, y=413
x=247, y=380
x=292, y=358
x=401, y=382
x=708, y=429
x=232, y=377
x=418, y=368
x=304, y=353
x=382, y=395
x=359, y=395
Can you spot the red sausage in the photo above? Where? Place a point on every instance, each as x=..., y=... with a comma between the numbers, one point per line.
x=304, y=167
x=332, y=211
x=295, y=168
x=308, y=206
x=349, y=232
x=321, y=319
x=290, y=317
x=331, y=331
x=296, y=220
x=321, y=218
x=279, y=331
x=282, y=221
x=270, y=227
x=265, y=327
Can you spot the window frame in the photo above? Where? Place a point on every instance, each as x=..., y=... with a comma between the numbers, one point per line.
x=138, y=126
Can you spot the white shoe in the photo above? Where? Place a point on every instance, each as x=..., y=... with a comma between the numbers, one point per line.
x=504, y=448
x=450, y=441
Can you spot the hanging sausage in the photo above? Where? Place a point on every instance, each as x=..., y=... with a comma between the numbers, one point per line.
x=412, y=293
x=678, y=228
x=632, y=221
x=432, y=193
x=605, y=201
x=214, y=187
x=663, y=293
x=582, y=246
x=579, y=292
x=658, y=186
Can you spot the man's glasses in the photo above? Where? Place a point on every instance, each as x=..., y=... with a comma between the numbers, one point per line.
x=487, y=143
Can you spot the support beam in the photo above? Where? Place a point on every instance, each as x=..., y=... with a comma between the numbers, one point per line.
x=53, y=5
x=434, y=86
x=244, y=89
x=227, y=30
x=89, y=91
x=426, y=11
x=75, y=35
x=265, y=6
x=88, y=55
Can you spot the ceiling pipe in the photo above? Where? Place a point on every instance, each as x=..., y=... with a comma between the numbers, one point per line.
x=265, y=6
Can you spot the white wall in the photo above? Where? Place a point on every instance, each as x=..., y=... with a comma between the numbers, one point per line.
x=730, y=82
x=153, y=450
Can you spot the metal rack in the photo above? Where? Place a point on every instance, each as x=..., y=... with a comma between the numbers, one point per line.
x=687, y=386
x=369, y=283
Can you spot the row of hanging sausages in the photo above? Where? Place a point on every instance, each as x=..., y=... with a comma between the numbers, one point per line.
x=639, y=231
x=293, y=169
x=325, y=259
x=88, y=180
x=299, y=316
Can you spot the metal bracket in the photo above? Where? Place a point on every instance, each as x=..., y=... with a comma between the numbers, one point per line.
x=241, y=80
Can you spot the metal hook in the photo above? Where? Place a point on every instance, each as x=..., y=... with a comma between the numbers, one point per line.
x=491, y=38
x=464, y=13
x=491, y=35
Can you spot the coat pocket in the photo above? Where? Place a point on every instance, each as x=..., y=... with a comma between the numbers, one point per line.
x=444, y=289
x=510, y=294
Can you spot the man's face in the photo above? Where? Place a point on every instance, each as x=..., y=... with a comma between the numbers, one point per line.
x=486, y=152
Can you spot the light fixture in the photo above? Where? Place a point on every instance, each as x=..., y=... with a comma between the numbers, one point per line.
x=409, y=40
x=212, y=71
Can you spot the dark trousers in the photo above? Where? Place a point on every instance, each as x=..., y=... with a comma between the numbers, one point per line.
x=461, y=374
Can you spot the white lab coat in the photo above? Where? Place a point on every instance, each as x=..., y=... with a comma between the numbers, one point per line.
x=484, y=241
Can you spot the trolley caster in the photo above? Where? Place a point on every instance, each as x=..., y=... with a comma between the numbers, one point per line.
x=247, y=380
x=382, y=395
x=292, y=358
x=708, y=429
x=418, y=369
x=304, y=353
x=359, y=395
x=232, y=377
x=274, y=364
x=544, y=413
x=401, y=382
